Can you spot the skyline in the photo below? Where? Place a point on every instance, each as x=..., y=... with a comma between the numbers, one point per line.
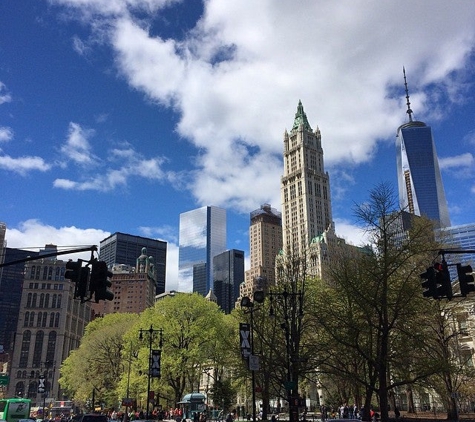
x=118, y=116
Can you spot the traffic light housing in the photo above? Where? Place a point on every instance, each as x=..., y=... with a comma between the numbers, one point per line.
x=430, y=283
x=82, y=286
x=466, y=281
x=73, y=270
x=99, y=282
x=443, y=280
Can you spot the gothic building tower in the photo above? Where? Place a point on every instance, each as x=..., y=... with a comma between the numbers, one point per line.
x=305, y=187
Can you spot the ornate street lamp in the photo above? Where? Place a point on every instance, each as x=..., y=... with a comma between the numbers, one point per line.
x=154, y=358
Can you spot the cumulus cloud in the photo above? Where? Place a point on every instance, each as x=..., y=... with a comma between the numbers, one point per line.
x=32, y=234
x=129, y=164
x=6, y=134
x=77, y=147
x=236, y=78
x=463, y=160
x=23, y=165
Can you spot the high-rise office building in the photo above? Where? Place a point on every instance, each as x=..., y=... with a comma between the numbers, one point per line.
x=133, y=287
x=421, y=190
x=305, y=186
x=202, y=237
x=307, y=225
x=51, y=324
x=265, y=243
x=121, y=248
x=228, y=274
x=11, y=286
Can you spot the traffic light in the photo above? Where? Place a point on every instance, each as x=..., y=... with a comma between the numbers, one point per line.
x=81, y=289
x=442, y=276
x=465, y=279
x=73, y=270
x=100, y=282
x=430, y=283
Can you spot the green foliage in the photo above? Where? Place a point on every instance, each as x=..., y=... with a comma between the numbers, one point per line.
x=97, y=363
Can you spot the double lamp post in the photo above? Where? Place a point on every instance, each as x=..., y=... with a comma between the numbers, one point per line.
x=154, y=359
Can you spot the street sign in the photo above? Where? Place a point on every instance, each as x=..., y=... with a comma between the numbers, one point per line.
x=155, y=364
x=254, y=363
x=41, y=384
x=245, y=339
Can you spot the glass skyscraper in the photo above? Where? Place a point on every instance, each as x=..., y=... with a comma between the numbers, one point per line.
x=228, y=274
x=421, y=190
x=202, y=237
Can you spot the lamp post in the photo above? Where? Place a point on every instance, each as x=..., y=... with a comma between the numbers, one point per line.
x=154, y=357
x=292, y=312
x=252, y=363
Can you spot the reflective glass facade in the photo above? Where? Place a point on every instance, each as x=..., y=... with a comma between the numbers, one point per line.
x=228, y=274
x=202, y=237
x=421, y=190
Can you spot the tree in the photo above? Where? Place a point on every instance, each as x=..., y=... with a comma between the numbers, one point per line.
x=97, y=364
x=194, y=332
x=371, y=304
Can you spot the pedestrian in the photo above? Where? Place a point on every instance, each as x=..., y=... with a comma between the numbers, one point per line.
x=397, y=413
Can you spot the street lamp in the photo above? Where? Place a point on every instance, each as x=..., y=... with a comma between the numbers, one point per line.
x=292, y=313
x=253, y=363
x=154, y=357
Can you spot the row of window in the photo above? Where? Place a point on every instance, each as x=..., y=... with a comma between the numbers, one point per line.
x=42, y=300
x=41, y=319
x=33, y=374
x=37, y=272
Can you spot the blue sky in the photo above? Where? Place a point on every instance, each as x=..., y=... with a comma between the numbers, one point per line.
x=118, y=115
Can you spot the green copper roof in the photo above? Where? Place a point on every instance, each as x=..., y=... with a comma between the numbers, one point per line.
x=301, y=117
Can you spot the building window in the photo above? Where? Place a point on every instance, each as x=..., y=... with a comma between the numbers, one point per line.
x=38, y=348
x=25, y=349
x=51, y=347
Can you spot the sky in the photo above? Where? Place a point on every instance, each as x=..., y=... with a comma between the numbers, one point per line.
x=118, y=115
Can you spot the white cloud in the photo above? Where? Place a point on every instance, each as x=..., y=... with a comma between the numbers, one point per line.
x=23, y=165
x=351, y=233
x=77, y=147
x=34, y=233
x=463, y=160
x=5, y=97
x=6, y=134
x=237, y=78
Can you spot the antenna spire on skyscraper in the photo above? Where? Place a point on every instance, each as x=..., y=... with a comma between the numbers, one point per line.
x=409, y=111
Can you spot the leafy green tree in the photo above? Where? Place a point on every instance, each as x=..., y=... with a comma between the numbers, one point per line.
x=194, y=333
x=96, y=366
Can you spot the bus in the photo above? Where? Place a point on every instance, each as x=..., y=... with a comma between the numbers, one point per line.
x=11, y=410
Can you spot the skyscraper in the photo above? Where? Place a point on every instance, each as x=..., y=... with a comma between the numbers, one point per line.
x=202, y=237
x=305, y=186
x=121, y=248
x=265, y=242
x=228, y=274
x=421, y=190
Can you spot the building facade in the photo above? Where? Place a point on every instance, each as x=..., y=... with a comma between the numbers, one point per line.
x=202, y=237
x=121, y=248
x=265, y=243
x=305, y=186
x=421, y=190
x=50, y=325
x=133, y=287
x=228, y=275
x=11, y=286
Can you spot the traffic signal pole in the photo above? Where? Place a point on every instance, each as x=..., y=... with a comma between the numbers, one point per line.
x=92, y=248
